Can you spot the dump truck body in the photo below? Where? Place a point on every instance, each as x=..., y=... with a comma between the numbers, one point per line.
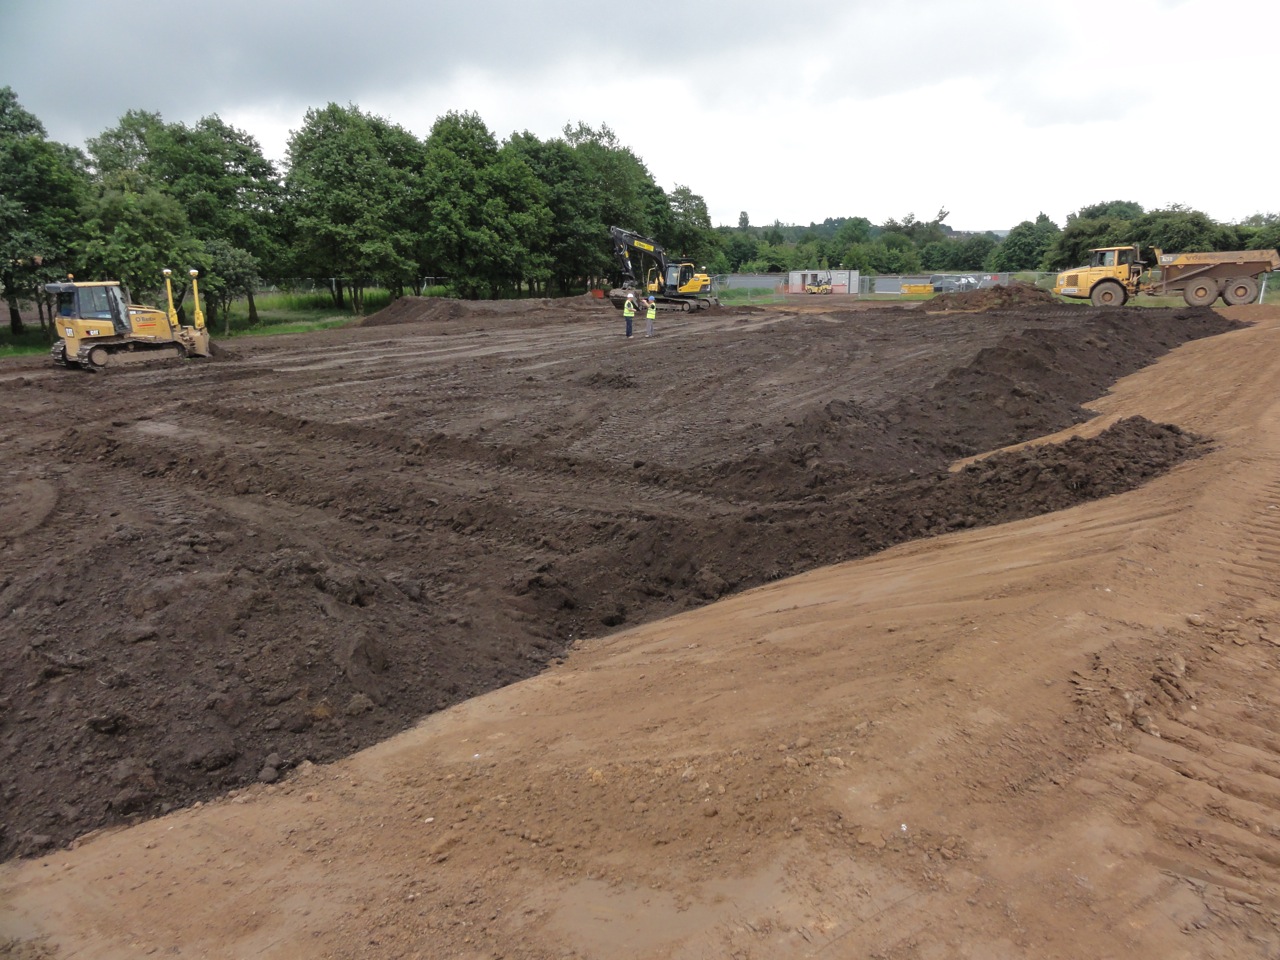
x=1114, y=274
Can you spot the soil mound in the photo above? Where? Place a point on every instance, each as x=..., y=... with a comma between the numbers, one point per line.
x=1029, y=384
x=1012, y=296
x=415, y=310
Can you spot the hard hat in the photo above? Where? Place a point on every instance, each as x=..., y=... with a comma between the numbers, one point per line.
x=631, y=296
x=651, y=299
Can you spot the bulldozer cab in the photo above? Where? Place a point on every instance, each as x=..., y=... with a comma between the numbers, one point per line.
x=108, y=302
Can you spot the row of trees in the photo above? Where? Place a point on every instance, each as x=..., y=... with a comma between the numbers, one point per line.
x=914, y=246
x=362, y=201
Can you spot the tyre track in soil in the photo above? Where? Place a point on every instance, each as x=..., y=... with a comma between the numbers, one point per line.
x=495, y=520
x=1036, y=830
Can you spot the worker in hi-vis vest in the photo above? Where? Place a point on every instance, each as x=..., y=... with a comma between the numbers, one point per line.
x=629, y=312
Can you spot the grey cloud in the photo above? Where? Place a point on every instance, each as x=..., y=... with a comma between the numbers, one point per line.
x=80, y=64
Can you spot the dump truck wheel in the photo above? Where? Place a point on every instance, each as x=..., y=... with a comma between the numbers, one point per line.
x=1109, y=294
x=1200, y=293
x=1240, y=290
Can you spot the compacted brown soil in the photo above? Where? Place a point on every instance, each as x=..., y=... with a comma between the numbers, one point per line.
x=220, y=574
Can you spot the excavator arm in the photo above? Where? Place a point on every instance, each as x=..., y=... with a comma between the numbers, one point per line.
x=678, y=284
x=625, y=242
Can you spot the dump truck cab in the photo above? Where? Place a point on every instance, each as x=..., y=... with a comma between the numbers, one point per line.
x=1109, y=279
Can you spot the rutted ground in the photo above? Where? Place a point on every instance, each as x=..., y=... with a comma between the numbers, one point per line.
x=730, y=781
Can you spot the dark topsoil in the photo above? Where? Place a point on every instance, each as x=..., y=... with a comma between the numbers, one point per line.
x=223, y=619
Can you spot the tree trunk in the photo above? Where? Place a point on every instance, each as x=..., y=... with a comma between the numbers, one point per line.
x=253, y=308
x=16, y=326
x=40, y=312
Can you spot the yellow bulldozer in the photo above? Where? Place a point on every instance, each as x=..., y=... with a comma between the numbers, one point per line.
x=100, y=327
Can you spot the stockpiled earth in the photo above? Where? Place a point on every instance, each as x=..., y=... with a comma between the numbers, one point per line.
x=220, y=574
x=222, y=569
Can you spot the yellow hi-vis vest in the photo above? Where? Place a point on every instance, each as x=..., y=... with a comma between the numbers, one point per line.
x=651, y=311
x=629, y=308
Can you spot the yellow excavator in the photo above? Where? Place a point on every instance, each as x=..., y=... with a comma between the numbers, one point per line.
x=101, y=328
x=676, y=284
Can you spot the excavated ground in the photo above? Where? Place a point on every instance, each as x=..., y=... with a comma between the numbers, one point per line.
x=215, y=571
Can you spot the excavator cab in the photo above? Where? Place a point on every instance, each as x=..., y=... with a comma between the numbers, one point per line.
x=678, y=276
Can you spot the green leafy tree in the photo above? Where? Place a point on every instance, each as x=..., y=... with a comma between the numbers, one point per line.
x=1025, y=247
x=515, y=226
x=459, y=148
x=42, y=188
x=1263, y=231
x=573, y=250
x=624, y=183
x=133, y=234
x=690, y=232
x=853, y=230
x=939, y=255
x=230, y=192
x=122, y=153
x=347, y=184
x=973, y=251
x=231, y=273
x=918, y=232
x=744, y=221
x=135, y=226
x=1109, y=210
x=1176, y=228
x=1181, y=229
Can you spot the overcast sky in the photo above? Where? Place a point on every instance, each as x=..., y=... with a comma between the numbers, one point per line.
x=994, y=109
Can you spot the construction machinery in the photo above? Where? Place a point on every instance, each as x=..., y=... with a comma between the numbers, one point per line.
x=674, y=283
x=101, y=328
x=818, y=284
x=1114, y=274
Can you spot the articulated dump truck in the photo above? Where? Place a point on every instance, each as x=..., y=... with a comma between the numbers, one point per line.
x=1114, y=274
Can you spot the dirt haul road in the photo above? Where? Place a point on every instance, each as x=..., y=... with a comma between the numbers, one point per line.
x=1051, y=737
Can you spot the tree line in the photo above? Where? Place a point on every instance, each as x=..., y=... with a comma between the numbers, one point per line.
x=360, y=202
x=911, y=246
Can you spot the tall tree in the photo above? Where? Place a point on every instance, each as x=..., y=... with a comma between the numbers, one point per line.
x=229, y=190
x=627, y=190
x=690, y=231
x=458, y=150
x=1025, y=246
x=42, y=188
x=134, y=225
x=349, y=199
x=573, y=248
